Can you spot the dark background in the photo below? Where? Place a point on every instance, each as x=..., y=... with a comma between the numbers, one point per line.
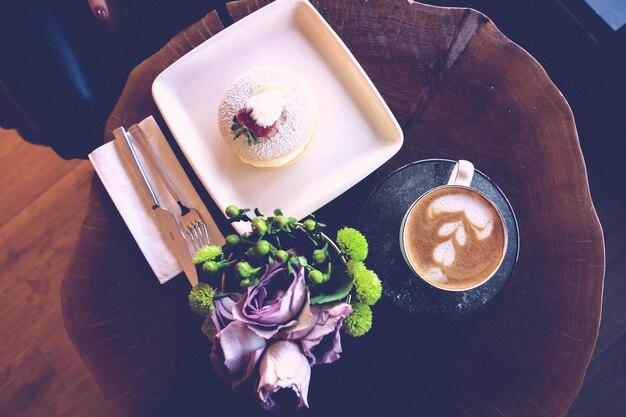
x=62, y=72
x=587, y=62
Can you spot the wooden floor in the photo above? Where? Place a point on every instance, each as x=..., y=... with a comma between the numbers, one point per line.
x=41, y=209
x=42, y=205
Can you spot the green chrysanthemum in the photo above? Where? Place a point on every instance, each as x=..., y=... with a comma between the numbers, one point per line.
x=352, y=243
x=208, y=328
x=360, y=321
x=353, y=268
x=201, y=299
x=207, y=253
x=368, y=287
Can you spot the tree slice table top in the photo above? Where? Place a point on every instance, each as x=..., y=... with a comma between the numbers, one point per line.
x=460, y=90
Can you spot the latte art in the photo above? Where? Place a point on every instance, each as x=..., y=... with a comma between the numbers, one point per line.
x=454, y=237
x=474, y=211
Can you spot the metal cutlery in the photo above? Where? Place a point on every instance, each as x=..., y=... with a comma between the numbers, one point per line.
x=175, y=233
x=190, y=218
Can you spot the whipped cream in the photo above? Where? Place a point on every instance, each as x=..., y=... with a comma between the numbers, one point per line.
x=266, y=104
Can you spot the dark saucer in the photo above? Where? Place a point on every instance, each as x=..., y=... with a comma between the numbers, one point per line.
x=380, y=222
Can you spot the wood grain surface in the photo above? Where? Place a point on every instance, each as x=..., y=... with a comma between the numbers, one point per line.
x=41, y=211
x=460, y=89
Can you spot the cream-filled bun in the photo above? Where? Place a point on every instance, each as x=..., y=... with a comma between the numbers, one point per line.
x=268, y=115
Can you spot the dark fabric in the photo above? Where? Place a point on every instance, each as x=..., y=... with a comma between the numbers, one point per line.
x=62, y=70
x=44, y=79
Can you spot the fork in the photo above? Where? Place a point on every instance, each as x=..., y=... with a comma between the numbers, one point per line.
x=191, y=220
x=197, y=233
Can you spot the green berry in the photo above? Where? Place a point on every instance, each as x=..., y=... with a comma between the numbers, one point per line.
x=280, y=221
x=248, y=282
x=319, y=256
x=243, y=269
x=233, y=240
x=210, y=266
x=368, y=287
x=233, y=212
x=281, y=256
x=262, y=247
x=258, y=223
x=316, y=277
x=360, y=321
x=310, y=225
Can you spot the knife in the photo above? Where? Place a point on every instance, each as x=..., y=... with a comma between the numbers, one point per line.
x=168, y=222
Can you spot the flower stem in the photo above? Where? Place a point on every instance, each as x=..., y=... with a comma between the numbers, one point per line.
x=222, y=295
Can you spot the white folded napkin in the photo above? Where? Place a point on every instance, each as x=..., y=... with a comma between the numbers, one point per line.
x=121, y=180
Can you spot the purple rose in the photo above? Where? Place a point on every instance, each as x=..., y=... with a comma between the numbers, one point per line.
x=283, y=366
x=321, y=343
x=223, y=313
x=278, y=304
x=236, y=350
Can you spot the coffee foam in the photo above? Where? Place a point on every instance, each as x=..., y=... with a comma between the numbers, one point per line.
x=476, y=211
x=444, y=253
x=436, y=274
x=454, y=237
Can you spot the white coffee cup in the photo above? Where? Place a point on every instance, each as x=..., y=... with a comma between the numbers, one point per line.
x=453, y=237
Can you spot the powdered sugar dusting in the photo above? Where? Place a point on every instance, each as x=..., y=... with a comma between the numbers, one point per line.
x=293, y=128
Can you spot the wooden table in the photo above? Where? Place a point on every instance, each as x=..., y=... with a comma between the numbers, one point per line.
x=460, y=89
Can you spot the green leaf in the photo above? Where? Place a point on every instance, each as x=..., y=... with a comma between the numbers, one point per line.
x=312, y=239
x=337, y=288
x=239, y=132
x=278, y=212
x=303, y=260
x=252, y=140
x=291, y=220
x=235, y=119
x=247, y=241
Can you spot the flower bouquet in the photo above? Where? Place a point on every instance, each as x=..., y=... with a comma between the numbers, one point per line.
x=275, y=300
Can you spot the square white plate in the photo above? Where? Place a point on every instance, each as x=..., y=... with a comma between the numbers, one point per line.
x=356, y=134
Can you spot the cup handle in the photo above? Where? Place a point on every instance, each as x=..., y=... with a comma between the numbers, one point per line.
x=462, y=173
